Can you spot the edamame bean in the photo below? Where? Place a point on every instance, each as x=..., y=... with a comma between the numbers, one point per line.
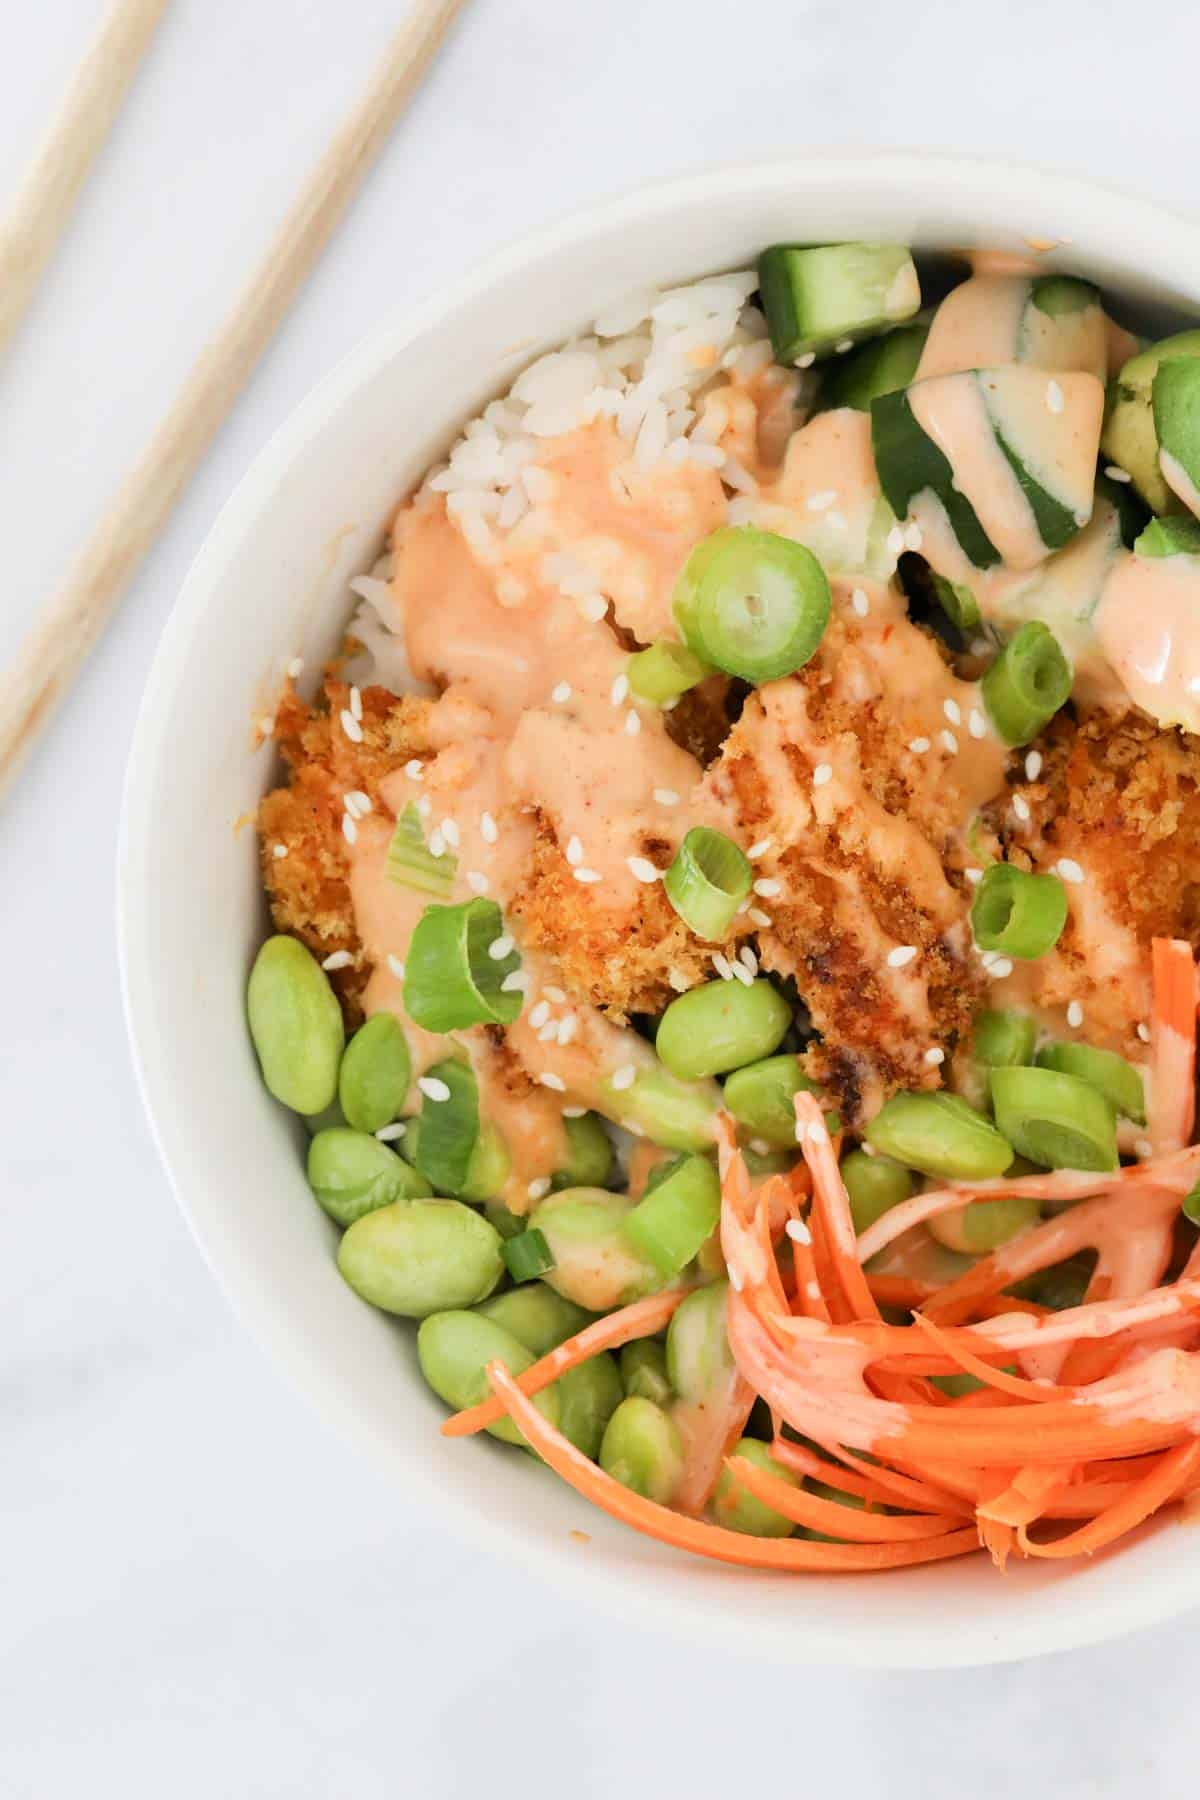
x=537, y=1316
x=699, y=1359
x=642, y=1448
x=417, y=1257
x=735, y=1507
x=296, y=1025
x=588, y=1396
x=373, y=1079
x=454, y=1349
x=681, y=1115
x=874, y=1185
x=722, y=1025
x=940, y=1135
x=985, y=1224
x=1003, y=1038
x=352, y=1173
x=761, y=1097
x=594, y=1264
x=644, y=1371
x=590, y=1155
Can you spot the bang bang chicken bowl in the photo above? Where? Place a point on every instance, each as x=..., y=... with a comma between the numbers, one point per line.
x=672, y=1004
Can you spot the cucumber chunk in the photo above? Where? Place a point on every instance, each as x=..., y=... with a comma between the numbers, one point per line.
x=1169, y=537
x=910, y=464
x=817, y=296
x=1175, y=404
x=880, y=367
x=1129, y=437
x=1051, y=322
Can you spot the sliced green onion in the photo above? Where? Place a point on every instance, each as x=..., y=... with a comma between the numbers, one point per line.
x=721, y=1025
x=1017, y=913
x=1169, y=537
x=1004, y=1039
x=665, y=671
x=669, y=1225
x=1190, y=1205
x=448, y=1125
x=1056, y=1120
x=1027, y=683
x=411, y=863
x=957, y=602
x=761, y=1095
x=707, y=882
x=753, y=603
x=451, y=979
x=1118, y=1080
x=940, y=1135
x=874, y=1184
x=527, y=1255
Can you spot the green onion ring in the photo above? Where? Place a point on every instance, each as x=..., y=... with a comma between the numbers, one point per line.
x=1027, y=683
x=752, y=603
x=707, y=881
x=451, y=980
x=1017, y=913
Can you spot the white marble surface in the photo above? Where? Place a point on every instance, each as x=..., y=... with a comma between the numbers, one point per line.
x=204, y=1592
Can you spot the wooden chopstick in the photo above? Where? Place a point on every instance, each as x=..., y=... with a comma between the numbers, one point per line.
x=33, y=224
x=54, y=649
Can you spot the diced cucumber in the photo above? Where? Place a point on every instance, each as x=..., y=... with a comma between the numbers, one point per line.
x=1053, y=322
x=1175, y=403
x=816, y=296
x=1129, y=438
x=880, y=367
x=910, y=464
x=1169, y=537
x=1049, y=429
x=957, y=602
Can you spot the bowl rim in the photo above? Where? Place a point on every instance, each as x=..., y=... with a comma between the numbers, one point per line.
x=875, y=172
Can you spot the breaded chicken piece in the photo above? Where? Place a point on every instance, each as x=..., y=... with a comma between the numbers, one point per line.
x=308, y=888
x=861, y=865
x=1122, y=799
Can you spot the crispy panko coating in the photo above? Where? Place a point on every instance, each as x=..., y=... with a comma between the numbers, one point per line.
x=1121, y=797
x=308, y=889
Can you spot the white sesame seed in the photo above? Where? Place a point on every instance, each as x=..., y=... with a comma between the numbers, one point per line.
x=561, y=694
x=974, y=876
x=362, y=802
x=758, y=917
x=500, y=947
x=574, y=852
x=747, y=956
x=895, y=541
x=767, y=889
x=988, y=957
x=979, y=646
x=798, y=1231
x=760, y=1146
x=478, y=881
x=821, y=502
x=935, y=1057
x=912, y=536
x=350, y=802
x=919, y=746
x=953, y=711
x=822, y=774
x=949, y=741
x=451, y=833
x=554, y=994
x=437, y=843
x=801, y=1131
x=641, y=868
x=807, y=360
x=1020, y=806
x=556, y=1082
x=539, y=1014
x=860, y=603
x=632, y=723
x=279, y=851
x=549, y=1032
x=396, y=966
x=735, y=1280
x=1075, y=1015
x=760, y=848
x=573, y=1112
x=567, y=1028
x=349, y=828
x=977, y=723
x=267, y=726
x=488, y=829
x=868, y=1150
x=351, y=726
x=1067, y=869
x=593, y=608
x=901, y=956
x=1054, y=397
x=424, y=806
x=741, y=973
x=1143, y=1147
x=1116, y=474
x=619, y=690
x=1000, y=969
x=587, y=875
x=387, y=1134
x=842, y=345
x=1033, y=765
x=537, y=1190
x=337, y=959
x=722, y=965
x=433, y=1088
x=415, y=770
x=666, y=796
x=295, y=668
x=356, y=702
x=1143, y=1032
x=624, y=1077
x=516, y=983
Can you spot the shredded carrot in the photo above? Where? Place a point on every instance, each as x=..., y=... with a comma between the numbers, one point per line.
x=832, y=1204
x=1172, y=1110
x=1016, y=1385
x=1142, y=1498
x=830, y=1516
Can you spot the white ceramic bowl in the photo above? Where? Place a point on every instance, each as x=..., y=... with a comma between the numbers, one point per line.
x=270, y=584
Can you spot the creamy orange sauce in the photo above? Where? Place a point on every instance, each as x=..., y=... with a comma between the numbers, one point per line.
x=1148, y=626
